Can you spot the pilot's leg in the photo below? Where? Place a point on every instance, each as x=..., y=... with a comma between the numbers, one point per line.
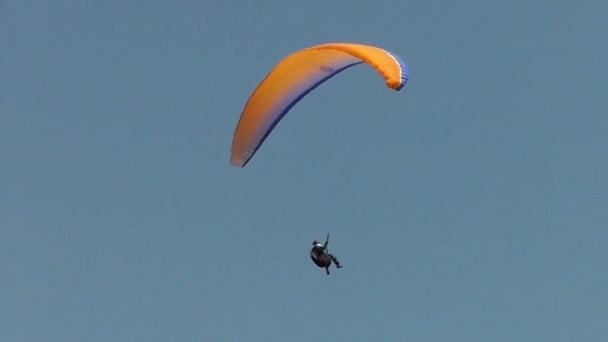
x=335, y=260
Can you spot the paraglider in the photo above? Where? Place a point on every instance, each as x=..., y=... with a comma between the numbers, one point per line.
x=321, y=257
x=294, y=77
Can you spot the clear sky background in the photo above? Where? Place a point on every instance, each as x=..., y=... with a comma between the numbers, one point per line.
x=470, y=206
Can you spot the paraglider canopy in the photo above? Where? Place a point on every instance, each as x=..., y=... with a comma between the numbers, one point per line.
x=297, y=75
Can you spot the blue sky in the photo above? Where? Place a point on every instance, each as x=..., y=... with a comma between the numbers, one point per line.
x=470, y=206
